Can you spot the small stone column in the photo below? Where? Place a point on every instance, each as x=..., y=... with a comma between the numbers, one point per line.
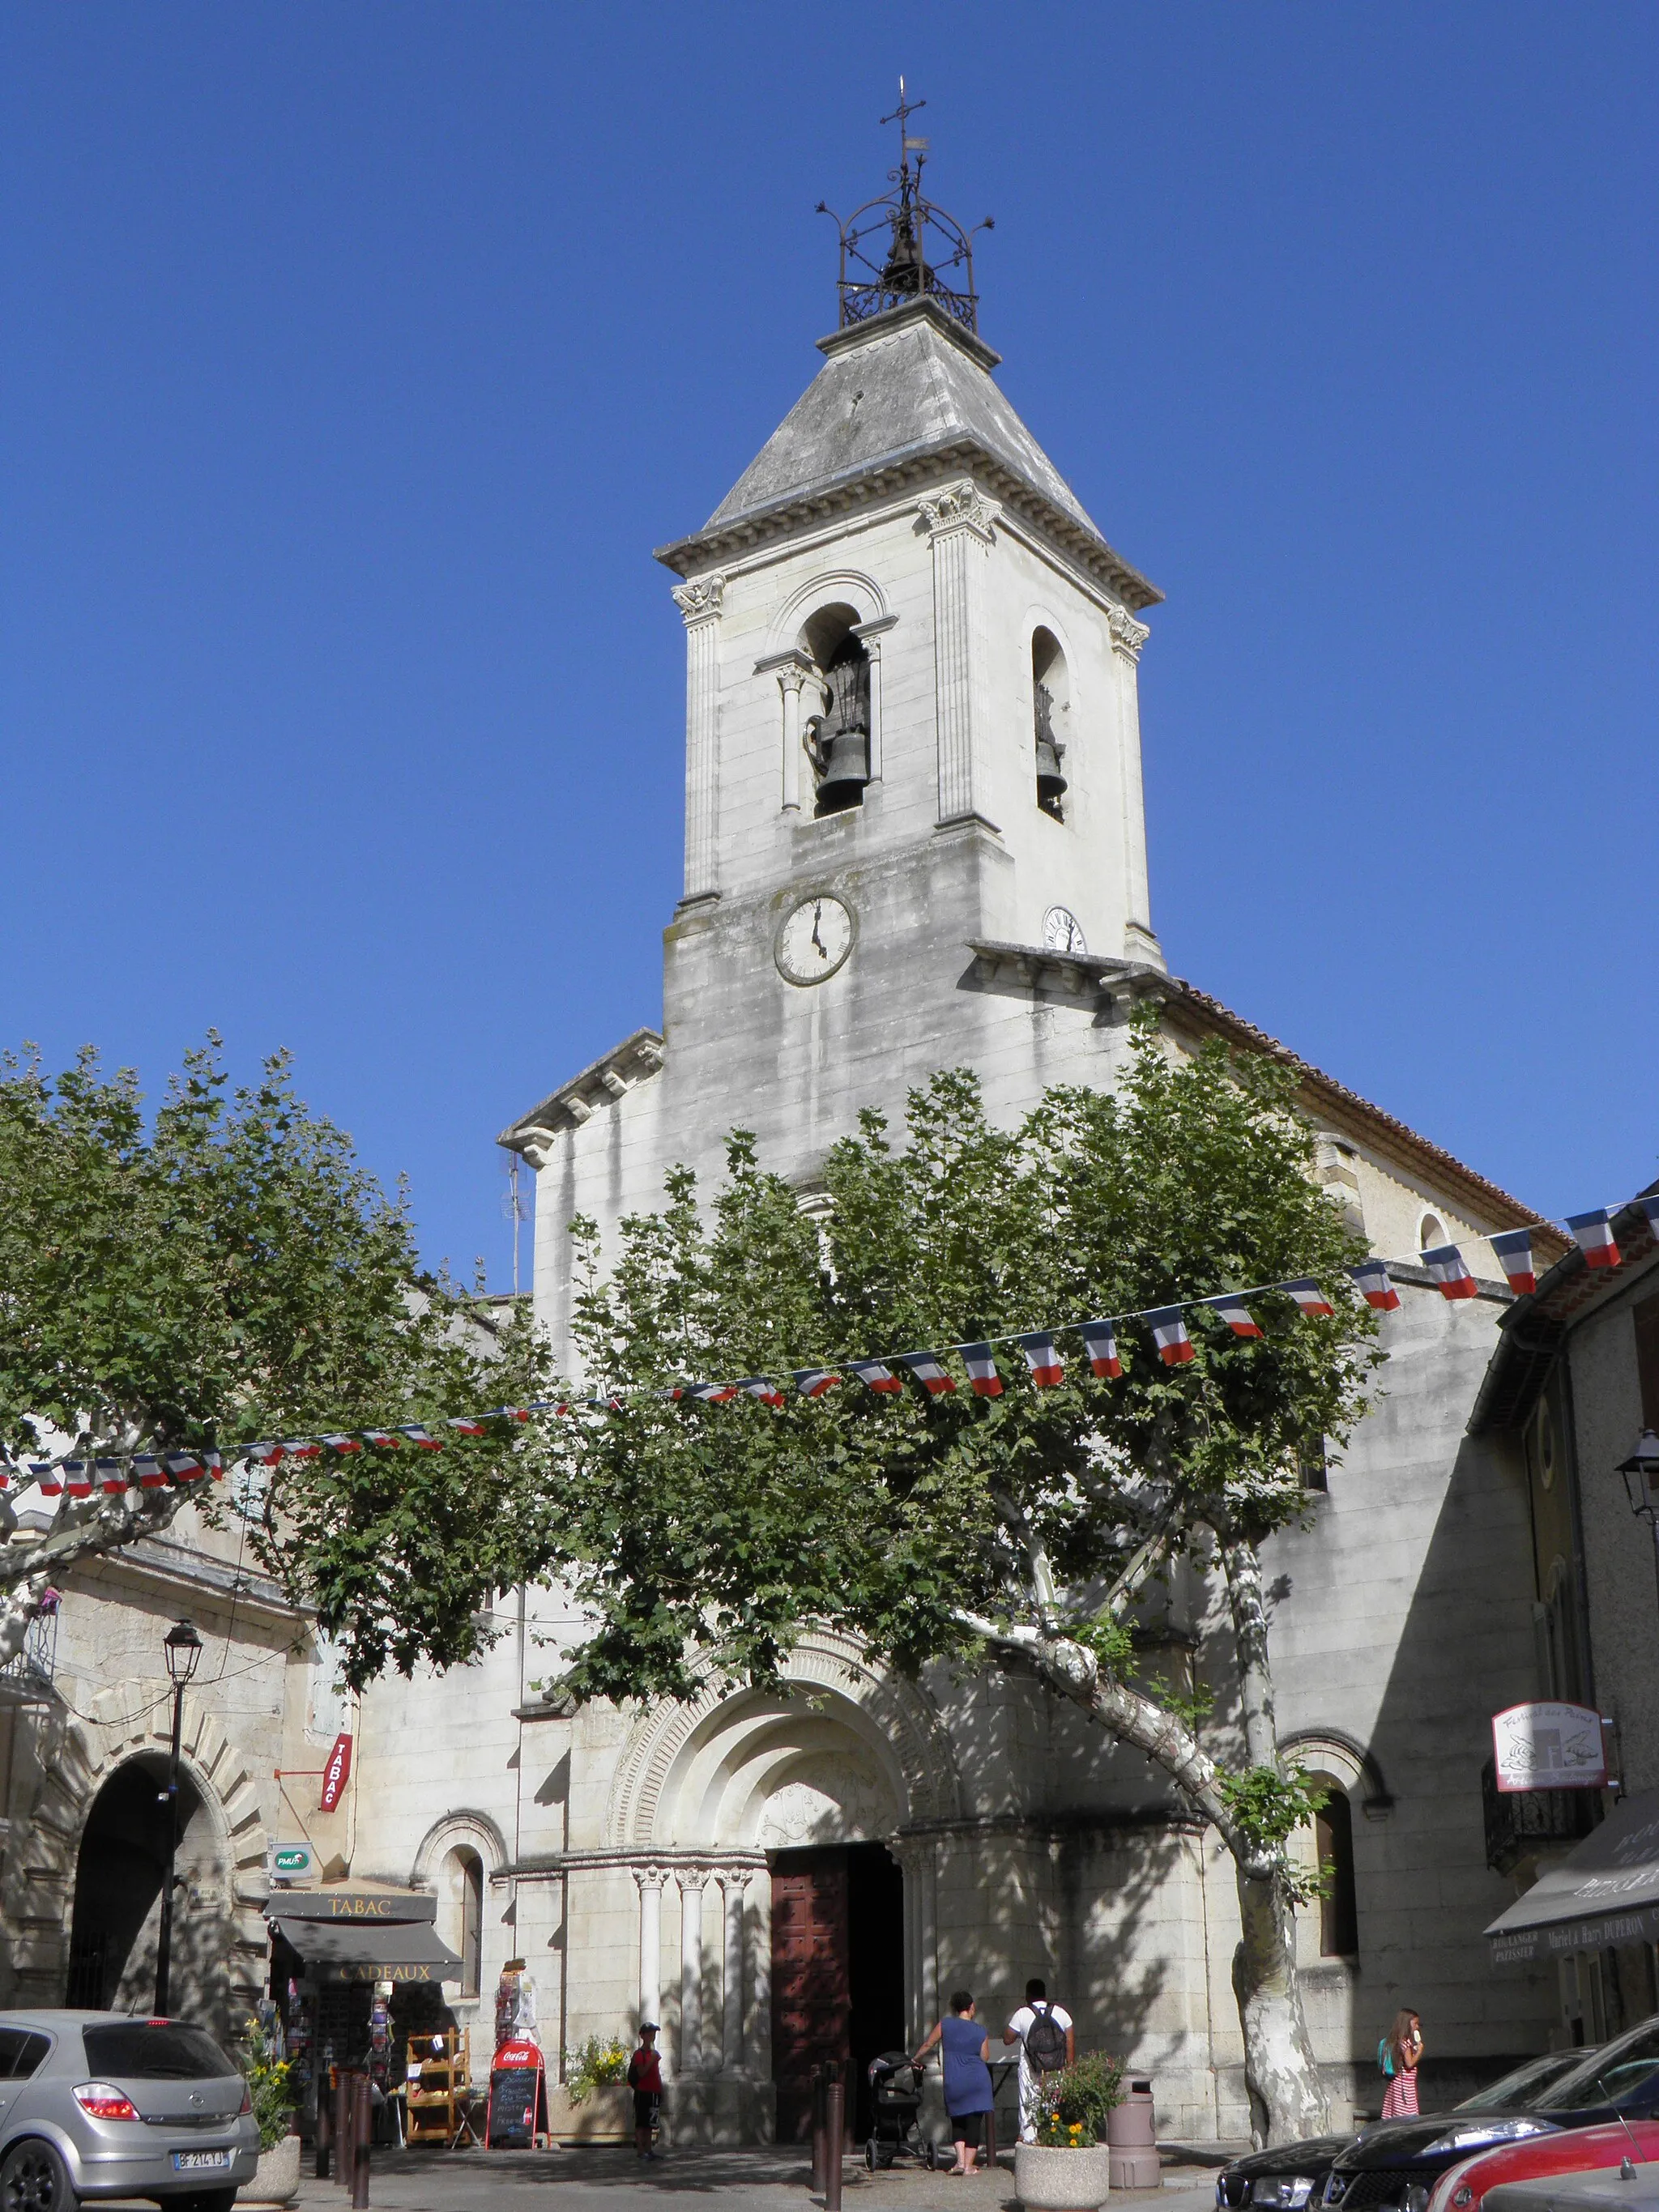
x=869, y=636
x=650, y=1883
x=686, y=2058
x=699, y=604
x=960, y=527
x=733, y=1890
x=790, y=681
x=1139, y=939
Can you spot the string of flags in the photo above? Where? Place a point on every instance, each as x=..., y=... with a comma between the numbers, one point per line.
x=1592, y=1233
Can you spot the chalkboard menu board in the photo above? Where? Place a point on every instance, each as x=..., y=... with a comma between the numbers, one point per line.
x=515, y=2096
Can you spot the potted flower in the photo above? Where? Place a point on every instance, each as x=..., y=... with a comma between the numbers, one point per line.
x=592, y=2105
x=1068, y=2167
x=270, y=2085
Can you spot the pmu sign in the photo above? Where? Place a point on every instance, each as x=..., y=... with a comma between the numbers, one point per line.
x=337, y=1772
x=1548, y=1745
x=290, y=1861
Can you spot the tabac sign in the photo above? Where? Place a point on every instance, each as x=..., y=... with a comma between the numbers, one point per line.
x=1547, y=1746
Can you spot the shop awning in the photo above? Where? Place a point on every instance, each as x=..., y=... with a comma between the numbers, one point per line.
x=1605, y=1891
x=373, y=1950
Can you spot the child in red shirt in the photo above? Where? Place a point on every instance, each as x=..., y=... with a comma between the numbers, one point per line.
x=645, y=2079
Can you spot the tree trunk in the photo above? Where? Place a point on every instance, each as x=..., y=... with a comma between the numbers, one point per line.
x=1287, y=2097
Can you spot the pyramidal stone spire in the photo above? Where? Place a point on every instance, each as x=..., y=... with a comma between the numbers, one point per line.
x=905, y=392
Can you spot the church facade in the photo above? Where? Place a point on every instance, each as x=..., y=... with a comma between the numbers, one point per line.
x=915, y=840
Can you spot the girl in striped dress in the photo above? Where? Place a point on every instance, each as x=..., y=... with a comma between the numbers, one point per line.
x=1401, y=2049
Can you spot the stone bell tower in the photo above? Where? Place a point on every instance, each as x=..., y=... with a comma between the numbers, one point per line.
x=914, y=837
x=912, y=717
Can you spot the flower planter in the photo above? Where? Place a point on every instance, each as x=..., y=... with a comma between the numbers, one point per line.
x=605, y=2115
x=1061, y=2180
x=276, y=2179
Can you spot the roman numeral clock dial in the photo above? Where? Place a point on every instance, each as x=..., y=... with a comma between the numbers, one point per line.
x=813, y=939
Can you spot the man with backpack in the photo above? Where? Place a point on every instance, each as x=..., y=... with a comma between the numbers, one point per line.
x=1047, y=2042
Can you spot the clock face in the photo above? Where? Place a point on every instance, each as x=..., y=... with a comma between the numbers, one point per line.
x=1062, y=931
x=816, y=937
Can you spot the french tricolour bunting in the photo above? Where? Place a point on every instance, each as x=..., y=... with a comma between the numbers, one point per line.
x=813, y=1381
x=77, y=1478
x=417, y=1435
x=466, y=1425
x=872, y=1371
x=381, y=1437
x=1445, y=1264
x=183, y=1467
x=1593, y=1233
x=339, y=1442
x=1514, y=1251
x=1042, y=1358
x=1174, y=1347
x=982, y=1364
x=112, y=1476
x=1308, y=1295
x=714, y=1393
x=1236, y=1316
x=1375, y=1285
x=929, y=1370
x=759, y=1386
x=1650, y=1207
x=1100, y=1342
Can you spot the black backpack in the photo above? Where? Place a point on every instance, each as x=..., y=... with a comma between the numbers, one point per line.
x=1045, y=2040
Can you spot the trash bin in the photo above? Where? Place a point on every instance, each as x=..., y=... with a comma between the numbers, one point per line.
x=1131, y=2138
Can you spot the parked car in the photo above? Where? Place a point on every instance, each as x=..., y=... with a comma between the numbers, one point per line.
x=1461, y=2188
x=1601, y=2191
x=1290, y=2175
x=96, y=2104
x=1393, y=2167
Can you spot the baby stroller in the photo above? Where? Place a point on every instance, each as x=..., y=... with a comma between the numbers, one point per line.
x=894, y=2100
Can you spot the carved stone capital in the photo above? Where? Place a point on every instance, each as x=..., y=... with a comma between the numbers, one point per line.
x=1127, y=635
x=650, y=1877
x=700, y=602
x=959, y=507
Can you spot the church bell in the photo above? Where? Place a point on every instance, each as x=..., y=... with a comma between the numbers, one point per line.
x=1050, y=783
x=839, y=738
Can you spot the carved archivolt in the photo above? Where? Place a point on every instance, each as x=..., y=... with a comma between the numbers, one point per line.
x=701, y=1773
x=830, y=588
x=77, y=1756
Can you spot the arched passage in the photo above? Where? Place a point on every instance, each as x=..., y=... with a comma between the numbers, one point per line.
x=120, y=1869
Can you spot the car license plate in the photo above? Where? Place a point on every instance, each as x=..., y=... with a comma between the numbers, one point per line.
x=200, y=2161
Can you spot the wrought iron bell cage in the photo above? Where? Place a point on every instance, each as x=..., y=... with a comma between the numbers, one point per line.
x=903, y=246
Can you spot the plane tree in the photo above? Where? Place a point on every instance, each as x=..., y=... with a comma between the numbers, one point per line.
x=225, y=1272
x=1026, y=1529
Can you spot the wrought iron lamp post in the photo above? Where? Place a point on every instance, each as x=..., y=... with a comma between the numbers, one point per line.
x=183, y=1647
x=1641, y=1474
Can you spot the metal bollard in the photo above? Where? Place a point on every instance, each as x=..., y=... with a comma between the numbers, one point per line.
x=342, y=2127
x=834, y=2132
x=818, y=2160
x=362, y=2115
x=323, y=2133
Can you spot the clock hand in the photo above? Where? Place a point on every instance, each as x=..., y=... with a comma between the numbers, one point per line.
x=817, y=915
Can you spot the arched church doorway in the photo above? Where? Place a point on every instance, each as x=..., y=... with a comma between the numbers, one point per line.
x=117, y=1898
x=838, y=1973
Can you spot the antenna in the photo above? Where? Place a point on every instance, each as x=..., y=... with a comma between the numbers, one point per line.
x=513, y=1207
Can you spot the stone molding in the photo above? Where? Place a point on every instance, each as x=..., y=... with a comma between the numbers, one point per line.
x=622, y=1070
x=824, y=1660
x=463, y=1825
x=1127, y=635
x=960, y=507
x=700, y=601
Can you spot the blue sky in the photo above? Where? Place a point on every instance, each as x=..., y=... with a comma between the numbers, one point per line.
x=357, y=356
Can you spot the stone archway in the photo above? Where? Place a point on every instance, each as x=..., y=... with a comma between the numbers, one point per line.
x=727, y=1802
x=221, y=1942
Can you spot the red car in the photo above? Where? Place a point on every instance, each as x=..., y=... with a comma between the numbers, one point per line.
x=1568, y=2150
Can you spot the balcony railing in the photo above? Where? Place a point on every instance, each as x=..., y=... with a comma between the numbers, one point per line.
x=1521, y=1823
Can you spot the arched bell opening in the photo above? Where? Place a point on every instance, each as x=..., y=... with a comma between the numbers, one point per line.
x=837, y=737
x=116, y=1921
x=1051, y=708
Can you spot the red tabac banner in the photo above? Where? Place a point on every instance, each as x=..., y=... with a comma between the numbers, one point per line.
x=337, y=1772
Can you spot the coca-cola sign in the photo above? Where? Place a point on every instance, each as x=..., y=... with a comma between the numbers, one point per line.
x=337, y=1772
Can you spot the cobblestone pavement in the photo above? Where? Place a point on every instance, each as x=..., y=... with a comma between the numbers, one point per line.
x=754, y=2180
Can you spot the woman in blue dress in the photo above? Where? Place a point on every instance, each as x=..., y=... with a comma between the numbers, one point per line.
x=965, y=2048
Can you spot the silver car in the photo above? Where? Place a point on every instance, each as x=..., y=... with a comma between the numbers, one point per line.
x=102, y=2104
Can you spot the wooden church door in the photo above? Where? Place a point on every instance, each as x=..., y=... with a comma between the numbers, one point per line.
x=812, y=1994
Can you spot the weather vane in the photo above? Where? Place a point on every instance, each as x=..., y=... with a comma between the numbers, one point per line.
x=923, y=244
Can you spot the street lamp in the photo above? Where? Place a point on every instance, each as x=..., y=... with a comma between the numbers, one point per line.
x=1641, y=1474
x=183, y=1647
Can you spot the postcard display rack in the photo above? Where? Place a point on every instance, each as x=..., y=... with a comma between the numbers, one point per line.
x=439, y=2089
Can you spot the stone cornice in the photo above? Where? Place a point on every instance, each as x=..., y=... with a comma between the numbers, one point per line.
x=634, y=1061
x=928, y=465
